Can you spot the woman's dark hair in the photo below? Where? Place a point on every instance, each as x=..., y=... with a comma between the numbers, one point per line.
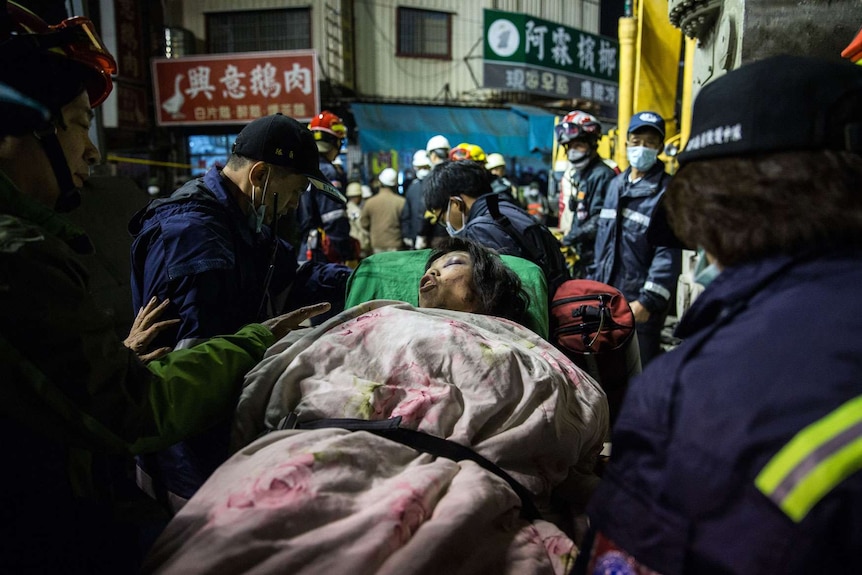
x=498, y=289
x=741, y=209
x=449, y=179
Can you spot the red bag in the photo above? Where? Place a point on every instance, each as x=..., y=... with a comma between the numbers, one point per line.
x=594, y=326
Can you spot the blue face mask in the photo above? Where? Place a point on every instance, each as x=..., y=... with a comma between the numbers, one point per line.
x=257, y=214
x=641, y=158
x=449, y=227
x=705, y=272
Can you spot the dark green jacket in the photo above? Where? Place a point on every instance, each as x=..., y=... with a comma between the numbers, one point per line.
x=72, y=393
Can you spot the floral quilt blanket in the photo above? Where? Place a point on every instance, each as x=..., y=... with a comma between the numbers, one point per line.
x=336, y=501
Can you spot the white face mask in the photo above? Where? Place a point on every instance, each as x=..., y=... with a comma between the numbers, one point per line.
x=257, y=214
x=422, y=172
x=449, y=227
x=641, y=158
x=577, y=158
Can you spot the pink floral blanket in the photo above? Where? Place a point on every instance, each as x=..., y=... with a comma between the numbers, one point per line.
x=334, y=501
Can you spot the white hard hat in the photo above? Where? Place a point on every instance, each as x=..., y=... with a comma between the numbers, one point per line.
x=354, y=190
x=366, y=191
x=388, y=178
x=420, y=159
x=438, y=142
x=495, y=161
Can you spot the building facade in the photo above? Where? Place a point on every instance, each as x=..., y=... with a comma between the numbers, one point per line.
x=396, y=71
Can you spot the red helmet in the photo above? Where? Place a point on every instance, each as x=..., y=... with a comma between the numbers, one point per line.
x=72, y=46
x=578, y=124
x=328, y=127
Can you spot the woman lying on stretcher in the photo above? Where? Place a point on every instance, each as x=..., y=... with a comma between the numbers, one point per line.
x=324, y=481
x=464, y=276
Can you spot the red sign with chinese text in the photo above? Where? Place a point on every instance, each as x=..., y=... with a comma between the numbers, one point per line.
x=235, y=88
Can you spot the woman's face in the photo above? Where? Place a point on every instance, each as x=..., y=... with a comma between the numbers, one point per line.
x=448, y=284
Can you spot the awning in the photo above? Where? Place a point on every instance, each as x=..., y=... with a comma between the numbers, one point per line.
x=519, y=131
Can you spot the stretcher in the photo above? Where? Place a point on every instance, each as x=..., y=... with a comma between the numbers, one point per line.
x=306, y=492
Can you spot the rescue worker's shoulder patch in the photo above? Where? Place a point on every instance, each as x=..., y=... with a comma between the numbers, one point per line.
x=15, y=233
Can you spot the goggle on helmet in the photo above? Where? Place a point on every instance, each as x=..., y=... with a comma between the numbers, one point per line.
x=328, y=127
x=578, y=125
x=465, y=151
x=75, y=39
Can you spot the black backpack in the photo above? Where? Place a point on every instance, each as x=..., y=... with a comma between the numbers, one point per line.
x=537, y=243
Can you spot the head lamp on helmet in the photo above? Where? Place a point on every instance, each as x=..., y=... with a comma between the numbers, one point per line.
x=578, y=125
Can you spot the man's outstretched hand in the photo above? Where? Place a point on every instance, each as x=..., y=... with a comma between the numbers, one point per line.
x=282, y=325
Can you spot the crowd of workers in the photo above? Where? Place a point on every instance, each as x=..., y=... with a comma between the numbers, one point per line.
x=596, y=207
x=752, y=426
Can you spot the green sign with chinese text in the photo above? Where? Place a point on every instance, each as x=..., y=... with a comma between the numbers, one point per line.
x=523, y=53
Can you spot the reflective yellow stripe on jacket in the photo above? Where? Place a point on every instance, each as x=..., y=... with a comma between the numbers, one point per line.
x=815, y=461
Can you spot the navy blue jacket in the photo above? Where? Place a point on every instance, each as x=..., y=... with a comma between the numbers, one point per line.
x=413, y=214
x=482, y=229
x=740, y=451
x=624, y=257
x=589, y=188
x=318, y=210
x=197, y=249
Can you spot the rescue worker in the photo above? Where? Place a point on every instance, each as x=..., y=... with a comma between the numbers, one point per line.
x=413, y=215
x=583, y=186
x=739, y=452
x=381, y=215
x=354, y=212
x=324, y=227
x=644, y=273
x=496, y=165
x=210, y=248
x=76, y=400
x=437, y=149
x=468, y=151
x=459, y=194
x=433, y=235
x=536, y=202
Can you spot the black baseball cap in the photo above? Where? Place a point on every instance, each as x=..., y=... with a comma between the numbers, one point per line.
x=781, y=103
x=282, y=141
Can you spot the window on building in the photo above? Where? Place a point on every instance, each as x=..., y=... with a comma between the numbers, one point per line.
x=424, y=34
x=259, y=30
